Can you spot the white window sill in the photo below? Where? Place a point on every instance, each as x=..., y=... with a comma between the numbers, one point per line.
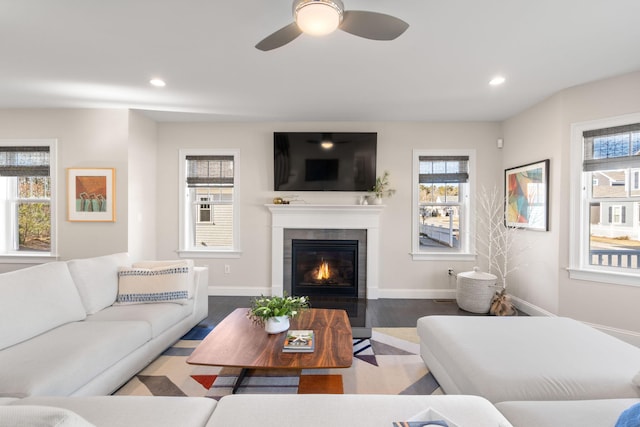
x=442, y=256
x=210, y=254
x=27, y=258
x=616, y=278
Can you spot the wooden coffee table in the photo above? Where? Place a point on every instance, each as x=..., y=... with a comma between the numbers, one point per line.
x=238, y=342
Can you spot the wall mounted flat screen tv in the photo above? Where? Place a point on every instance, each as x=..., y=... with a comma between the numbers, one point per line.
x=324, y=161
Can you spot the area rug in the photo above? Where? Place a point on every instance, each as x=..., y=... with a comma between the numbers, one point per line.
x=387, y=363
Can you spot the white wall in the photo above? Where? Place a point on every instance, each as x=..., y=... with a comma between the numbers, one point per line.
x=543, y=131
x=530, y=137
x=125, y=140
x=86, y=138
x=250, y=274
x=143, y=191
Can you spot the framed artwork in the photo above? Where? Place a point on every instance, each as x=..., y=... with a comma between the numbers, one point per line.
x=527, y=196
x=91, y=194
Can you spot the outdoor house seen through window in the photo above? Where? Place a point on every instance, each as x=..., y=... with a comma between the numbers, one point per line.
x=442, y=203
x=209, y=210
x=25, y=192
x=611, y=177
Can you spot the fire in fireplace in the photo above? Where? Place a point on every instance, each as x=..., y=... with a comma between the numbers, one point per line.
x=325, y=267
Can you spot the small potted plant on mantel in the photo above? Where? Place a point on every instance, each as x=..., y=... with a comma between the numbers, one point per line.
x=381, y=188
x=274, y=312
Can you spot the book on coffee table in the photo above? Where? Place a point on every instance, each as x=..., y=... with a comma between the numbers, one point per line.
x=299, y=341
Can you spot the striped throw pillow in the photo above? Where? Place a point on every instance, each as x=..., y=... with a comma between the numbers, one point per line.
x=149, y=285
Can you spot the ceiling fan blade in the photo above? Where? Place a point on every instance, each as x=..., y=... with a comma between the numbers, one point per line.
x=281, y=37
x=372, y=25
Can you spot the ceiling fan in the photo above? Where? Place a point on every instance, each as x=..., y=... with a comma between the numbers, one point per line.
x=320, y=17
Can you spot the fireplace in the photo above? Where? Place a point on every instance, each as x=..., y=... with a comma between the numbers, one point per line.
x=324, y=267
x=301, y=221
x=345, y=253
x=329, y=222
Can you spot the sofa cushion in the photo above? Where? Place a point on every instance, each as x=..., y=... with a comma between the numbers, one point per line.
x=97, y=279
x=172, y=263
x=40, y=416
x=151, y=285
x=64, y=359
x=344, y=410
x=36, y=299
x=138, y=411
x=583, y=413
x=160, y=316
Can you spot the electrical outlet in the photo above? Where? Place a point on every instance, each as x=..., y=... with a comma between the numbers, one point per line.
x=227, y=269
x=450, y=272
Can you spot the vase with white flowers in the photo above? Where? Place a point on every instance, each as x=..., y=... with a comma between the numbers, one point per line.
x=274, y=312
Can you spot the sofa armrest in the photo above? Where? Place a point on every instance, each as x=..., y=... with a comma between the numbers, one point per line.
x=201, y=294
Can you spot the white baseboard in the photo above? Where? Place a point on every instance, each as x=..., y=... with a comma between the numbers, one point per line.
x=530, y=309
x=238, y=292
x=377, y=293
x=625, y=335
x=417, y=293
x=631, y=337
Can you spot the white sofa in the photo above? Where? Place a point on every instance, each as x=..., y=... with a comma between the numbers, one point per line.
x=62, y=335
x=539, y=371
x=250, y=410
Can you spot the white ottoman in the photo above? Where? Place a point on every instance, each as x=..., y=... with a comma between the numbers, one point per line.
x=527, y=358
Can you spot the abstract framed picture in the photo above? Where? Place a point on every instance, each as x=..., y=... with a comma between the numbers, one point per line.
x=91, y=194
x=527, y=196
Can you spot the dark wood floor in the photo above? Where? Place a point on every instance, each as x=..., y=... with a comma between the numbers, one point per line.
x=378, y=313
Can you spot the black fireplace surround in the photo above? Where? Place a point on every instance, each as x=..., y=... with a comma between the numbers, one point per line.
x=324, y=267
x=345, y=290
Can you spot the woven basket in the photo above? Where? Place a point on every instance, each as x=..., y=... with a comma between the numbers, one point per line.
x=475, y=290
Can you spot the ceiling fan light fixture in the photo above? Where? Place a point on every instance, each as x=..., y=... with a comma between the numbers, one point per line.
x=327, y=145
x=497, y=81
x=318, y=17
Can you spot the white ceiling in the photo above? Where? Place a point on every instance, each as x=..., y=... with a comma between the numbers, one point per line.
x=102, y=53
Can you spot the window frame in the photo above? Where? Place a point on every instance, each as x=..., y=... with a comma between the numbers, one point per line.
x=36, y=257
x=185, y=249
x=467, y=250
x=579, y=267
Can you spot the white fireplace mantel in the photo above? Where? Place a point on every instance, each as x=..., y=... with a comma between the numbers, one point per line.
x=325, y=217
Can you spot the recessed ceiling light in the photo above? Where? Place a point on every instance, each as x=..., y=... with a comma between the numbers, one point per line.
x=157, y=82
x=497, y=81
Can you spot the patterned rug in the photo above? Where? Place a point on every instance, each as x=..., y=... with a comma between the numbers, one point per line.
x=388, y=363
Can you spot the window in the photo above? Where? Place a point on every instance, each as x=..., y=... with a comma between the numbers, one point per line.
x=27, y=185
x=205, y=214
x=442, y=199
x=209, y=212
x=616, y=215
x=606, y=241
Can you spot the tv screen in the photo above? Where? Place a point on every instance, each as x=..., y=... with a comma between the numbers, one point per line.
x=327, y=161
